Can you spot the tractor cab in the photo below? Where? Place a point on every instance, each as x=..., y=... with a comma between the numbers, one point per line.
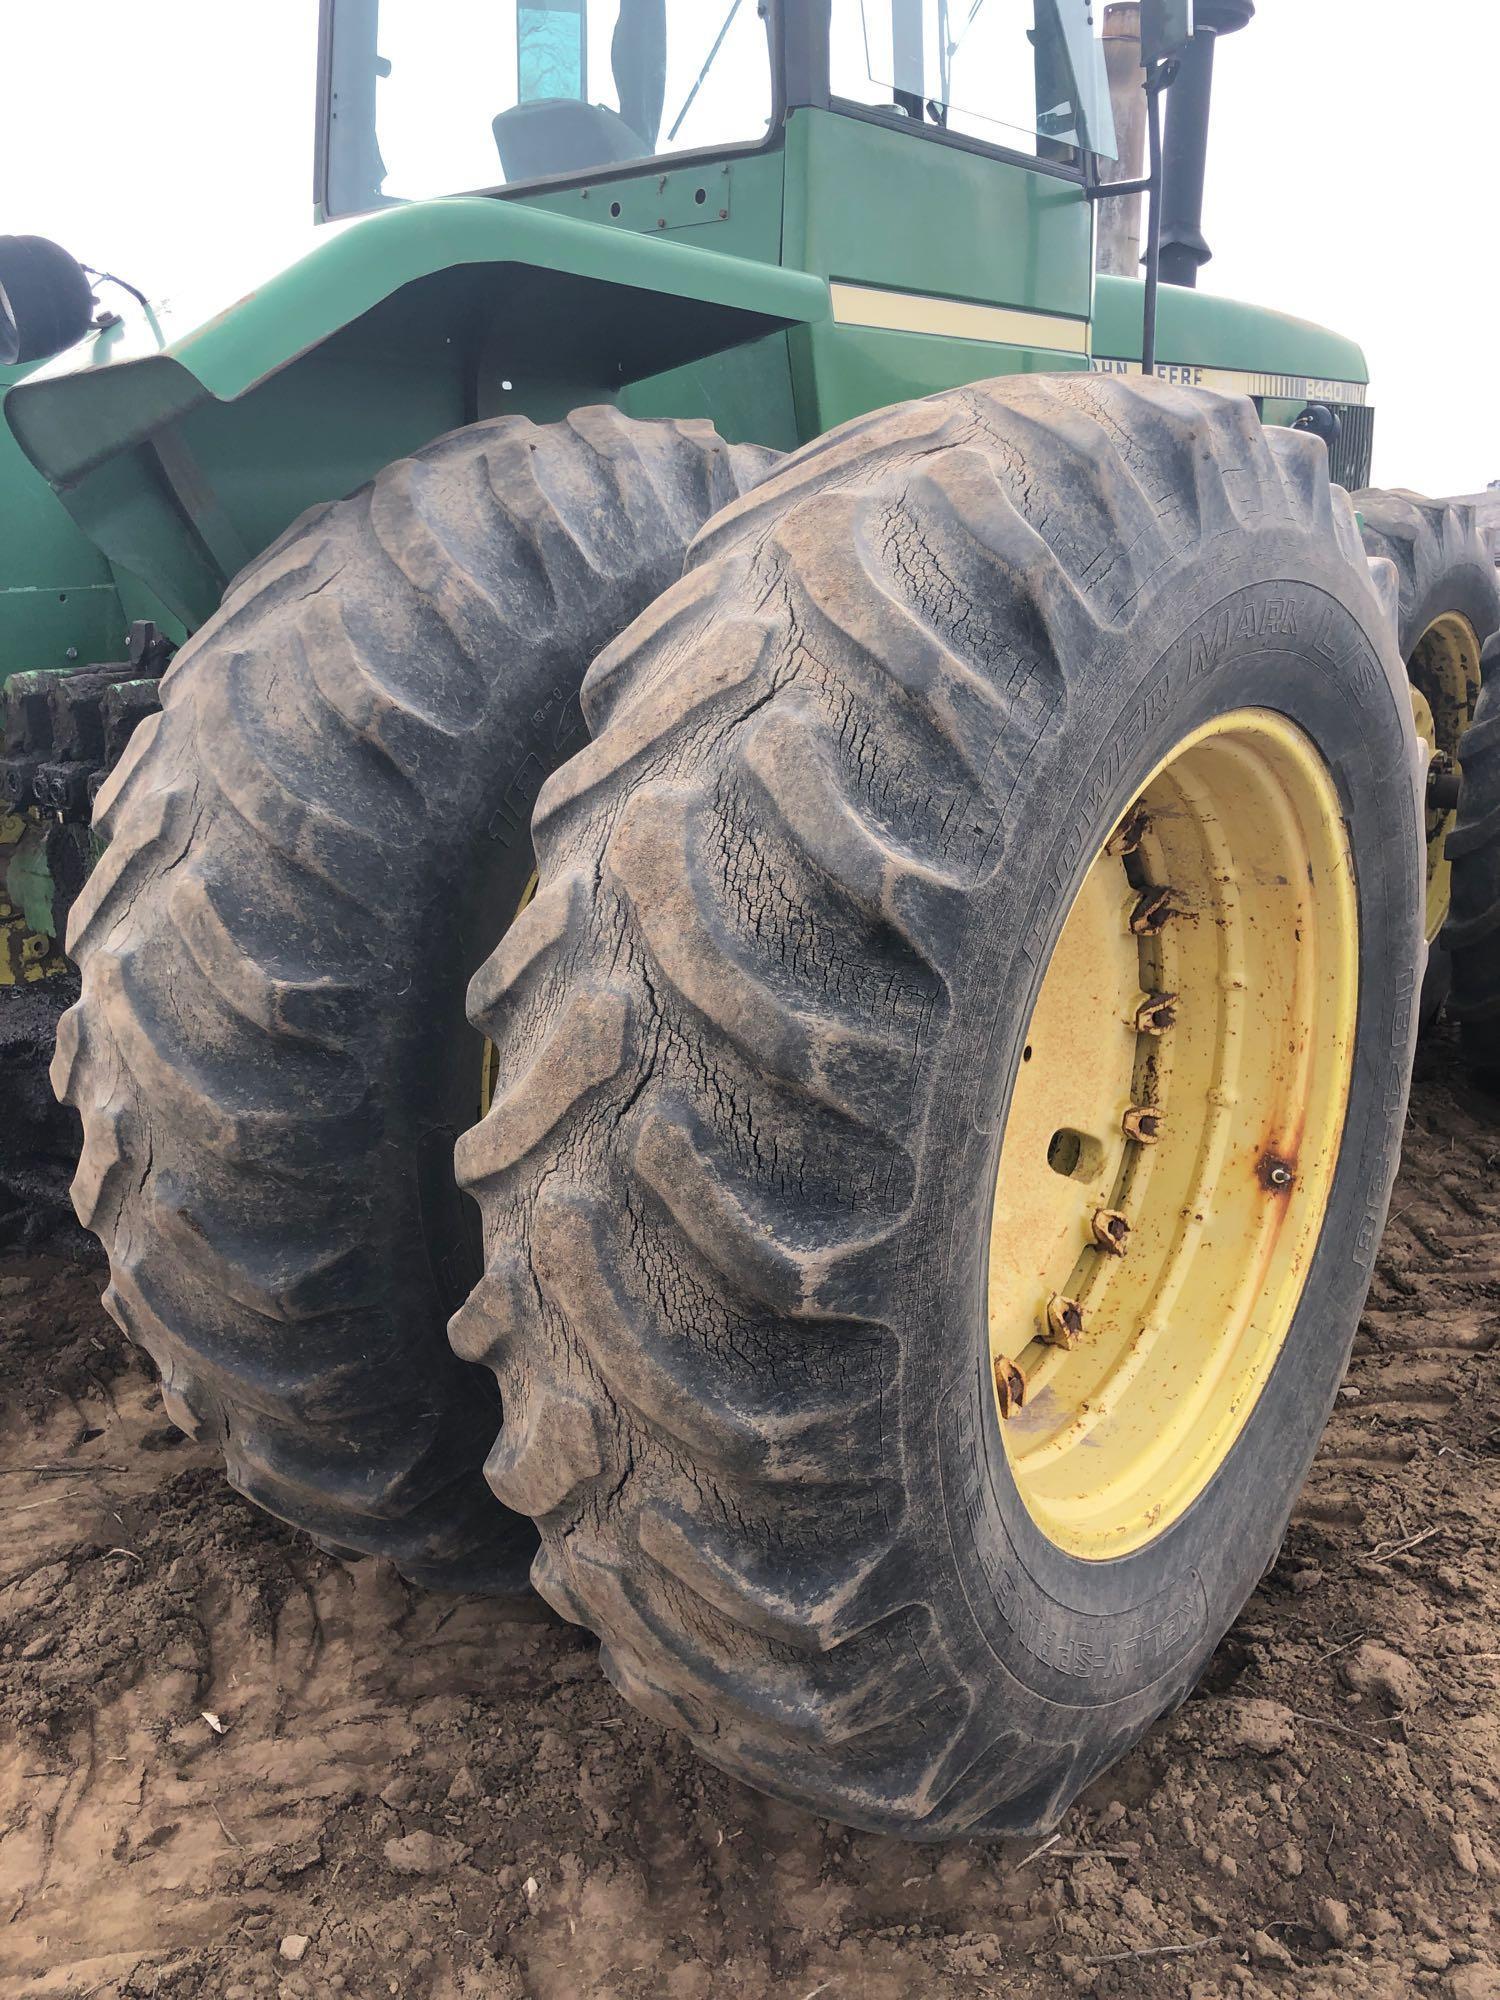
x=937, y=164
x=927, y=162
x=427, y=97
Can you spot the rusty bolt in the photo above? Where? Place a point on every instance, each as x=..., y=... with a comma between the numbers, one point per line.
x=1111, y=1231
x=1154, y=908
x=1064, y=1321
x=1128, y=835
x=1142, y=1124
x=1010, y=1385
x=1156, y=1014
x=1274, y=1173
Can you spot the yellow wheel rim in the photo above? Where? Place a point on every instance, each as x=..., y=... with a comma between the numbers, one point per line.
x=1173, y=1131
x=1444, y=674
x=489, y=1058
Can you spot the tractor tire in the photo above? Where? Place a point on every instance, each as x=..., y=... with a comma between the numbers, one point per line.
x=757, y=1035
x=41, y=1136
x=1472, y=936
x=310, y=849
x=1446, y=585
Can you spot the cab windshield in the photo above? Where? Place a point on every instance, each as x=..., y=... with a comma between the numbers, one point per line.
x=430, y=97
x=1028, y=75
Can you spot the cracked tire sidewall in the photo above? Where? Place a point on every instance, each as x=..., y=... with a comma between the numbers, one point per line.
x=272, y=1071
x=736, y=1284
x=1118, y=1642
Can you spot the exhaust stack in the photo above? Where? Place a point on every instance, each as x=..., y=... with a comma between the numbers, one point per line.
x=1185, y=147
x=1119, y=254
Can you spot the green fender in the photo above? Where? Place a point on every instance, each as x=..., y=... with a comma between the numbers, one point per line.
x=181, y=466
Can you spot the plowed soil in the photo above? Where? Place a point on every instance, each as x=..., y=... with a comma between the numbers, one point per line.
x=230, y=1765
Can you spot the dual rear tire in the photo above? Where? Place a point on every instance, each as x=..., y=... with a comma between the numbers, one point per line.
x=751, y=1140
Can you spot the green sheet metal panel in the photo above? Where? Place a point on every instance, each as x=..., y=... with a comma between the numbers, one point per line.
x=358, y=271
x=1196, y=328
x=745, y=392
x=878, y=206
x=375, y=258
x=738, y=215
x=59, y=624
x=925, y=225
x=180, y=466
x=58, y=600
x=851, y=370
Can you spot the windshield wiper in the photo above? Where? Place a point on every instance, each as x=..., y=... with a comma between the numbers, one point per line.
x=974, y=13
x=712, y=55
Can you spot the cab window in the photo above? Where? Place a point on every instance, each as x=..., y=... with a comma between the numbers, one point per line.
x=430, y=97
x=1024, y=74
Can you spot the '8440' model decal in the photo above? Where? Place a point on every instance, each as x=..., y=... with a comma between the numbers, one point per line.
x=1240, y=382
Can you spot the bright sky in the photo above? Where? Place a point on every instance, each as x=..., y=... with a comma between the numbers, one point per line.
x=1350, y=178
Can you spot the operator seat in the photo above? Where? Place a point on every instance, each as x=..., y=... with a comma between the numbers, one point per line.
x=561, y=135
x=565, y=135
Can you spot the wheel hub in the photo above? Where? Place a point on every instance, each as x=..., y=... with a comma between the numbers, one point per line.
x=1172, y=1136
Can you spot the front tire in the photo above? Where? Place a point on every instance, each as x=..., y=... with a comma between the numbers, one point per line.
x=758, y=1039
x=310, y=849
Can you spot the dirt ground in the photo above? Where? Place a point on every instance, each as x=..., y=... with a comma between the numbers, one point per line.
x=232, y=1766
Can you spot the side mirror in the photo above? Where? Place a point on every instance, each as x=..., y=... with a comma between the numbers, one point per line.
x=46, y=301
x=1166, y=29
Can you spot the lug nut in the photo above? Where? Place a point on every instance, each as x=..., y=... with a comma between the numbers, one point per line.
x=1111, y=1231
x=1154, y=908
x=1142, y=1124
x=1155, y=1015
x=1064, y=1322
x=1010, y=1386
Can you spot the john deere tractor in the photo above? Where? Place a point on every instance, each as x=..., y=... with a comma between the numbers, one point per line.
x=761, y=964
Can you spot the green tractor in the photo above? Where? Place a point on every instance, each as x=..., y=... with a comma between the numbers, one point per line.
x=787, y=842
